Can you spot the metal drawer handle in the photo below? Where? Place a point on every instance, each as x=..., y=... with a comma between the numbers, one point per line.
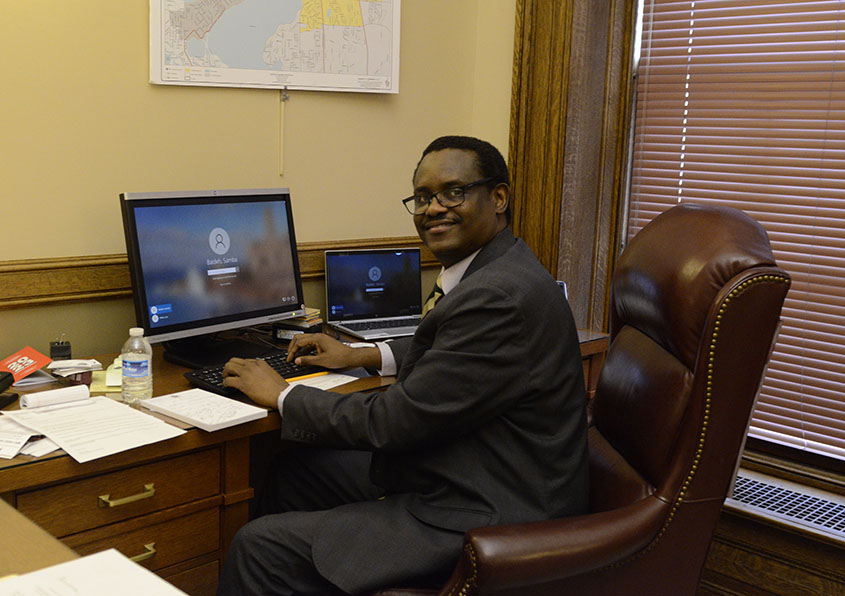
x=149, y=491
x=149, y=553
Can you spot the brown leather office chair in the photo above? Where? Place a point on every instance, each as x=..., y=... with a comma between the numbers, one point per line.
x=695, y=305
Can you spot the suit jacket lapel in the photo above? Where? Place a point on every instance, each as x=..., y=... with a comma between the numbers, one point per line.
x=499, y=245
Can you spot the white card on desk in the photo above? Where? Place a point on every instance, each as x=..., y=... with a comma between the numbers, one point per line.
x=204, y=409
x=327, y=381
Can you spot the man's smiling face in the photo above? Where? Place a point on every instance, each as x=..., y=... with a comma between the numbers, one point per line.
x=456, y=232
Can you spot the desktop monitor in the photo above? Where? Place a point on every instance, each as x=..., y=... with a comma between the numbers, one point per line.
x=204, y=262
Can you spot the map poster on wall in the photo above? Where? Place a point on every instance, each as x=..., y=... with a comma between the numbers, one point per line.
x=326, y=45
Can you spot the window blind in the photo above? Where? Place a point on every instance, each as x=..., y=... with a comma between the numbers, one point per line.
x=742, y=103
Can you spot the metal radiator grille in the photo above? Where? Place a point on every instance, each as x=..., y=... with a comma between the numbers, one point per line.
x=791, y=503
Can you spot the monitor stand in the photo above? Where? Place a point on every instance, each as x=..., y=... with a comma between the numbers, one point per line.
x=210, y=350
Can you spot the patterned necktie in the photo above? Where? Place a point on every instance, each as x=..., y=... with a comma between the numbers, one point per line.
x=436, y=294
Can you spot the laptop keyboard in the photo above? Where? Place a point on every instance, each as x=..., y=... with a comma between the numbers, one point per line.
x=392, y=324
x=211, y=377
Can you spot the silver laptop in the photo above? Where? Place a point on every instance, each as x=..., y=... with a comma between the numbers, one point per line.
x=373, y=294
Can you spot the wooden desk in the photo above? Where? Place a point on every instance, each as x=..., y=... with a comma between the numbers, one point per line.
x=593, y=350
x=201, y=480
x=25, y=546
x=202, y=493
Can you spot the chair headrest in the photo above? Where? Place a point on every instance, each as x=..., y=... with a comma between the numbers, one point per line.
x=670, y=272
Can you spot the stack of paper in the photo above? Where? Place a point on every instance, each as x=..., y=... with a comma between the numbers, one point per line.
x=13, y=437
x=66, y=368
x=88, y=427
x=204, y=409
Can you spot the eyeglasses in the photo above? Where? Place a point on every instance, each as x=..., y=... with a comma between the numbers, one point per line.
x=449, y=197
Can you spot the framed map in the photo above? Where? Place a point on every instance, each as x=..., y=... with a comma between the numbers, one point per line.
x=328, y=45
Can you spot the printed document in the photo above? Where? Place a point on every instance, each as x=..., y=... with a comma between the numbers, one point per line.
x=94, y=427
x=102, y=574
x=13, y=437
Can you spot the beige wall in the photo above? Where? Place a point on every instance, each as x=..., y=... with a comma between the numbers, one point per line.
x=81, y=123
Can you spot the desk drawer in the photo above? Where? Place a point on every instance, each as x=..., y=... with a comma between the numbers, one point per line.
x=76, y=506
x=199, y=581
x=159, y=545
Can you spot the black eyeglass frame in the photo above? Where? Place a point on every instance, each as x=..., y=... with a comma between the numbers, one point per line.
x=453, y=203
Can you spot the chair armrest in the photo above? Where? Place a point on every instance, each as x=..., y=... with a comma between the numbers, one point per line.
x=515, y=555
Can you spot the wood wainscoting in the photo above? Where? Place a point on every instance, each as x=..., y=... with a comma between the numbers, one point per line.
x=750, y=556
x=34, y=282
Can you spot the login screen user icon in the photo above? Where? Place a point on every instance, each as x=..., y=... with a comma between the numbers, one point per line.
x=219, y=241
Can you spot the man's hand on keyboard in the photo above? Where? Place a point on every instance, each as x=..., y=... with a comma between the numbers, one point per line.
x=330, y=352
x=256, y=379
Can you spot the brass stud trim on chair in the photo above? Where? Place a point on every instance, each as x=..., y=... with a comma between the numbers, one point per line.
x=711, y=357
x=469, y=582
x=702, y=435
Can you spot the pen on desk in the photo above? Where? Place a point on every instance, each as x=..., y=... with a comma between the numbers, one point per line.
x=300, y=378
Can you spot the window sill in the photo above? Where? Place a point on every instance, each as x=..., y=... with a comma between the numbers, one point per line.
x=819, y=472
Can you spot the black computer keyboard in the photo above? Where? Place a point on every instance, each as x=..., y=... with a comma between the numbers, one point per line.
x=211, y=378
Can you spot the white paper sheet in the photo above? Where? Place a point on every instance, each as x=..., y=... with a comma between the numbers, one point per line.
x=327, y=381
x=13, y=436
x=95, y=427
x=102, y=574
x=39, y=447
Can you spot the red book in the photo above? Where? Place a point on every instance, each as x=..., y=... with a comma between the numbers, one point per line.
x=24, y=363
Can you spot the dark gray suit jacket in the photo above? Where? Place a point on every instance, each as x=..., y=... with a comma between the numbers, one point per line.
x=486, y=423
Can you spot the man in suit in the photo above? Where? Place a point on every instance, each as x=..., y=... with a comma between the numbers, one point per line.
x=485, y=424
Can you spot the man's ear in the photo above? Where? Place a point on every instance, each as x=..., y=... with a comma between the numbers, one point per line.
x=501, y=197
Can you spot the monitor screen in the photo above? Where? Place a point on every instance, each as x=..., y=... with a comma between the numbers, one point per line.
x=208, y=261
x=372, y=283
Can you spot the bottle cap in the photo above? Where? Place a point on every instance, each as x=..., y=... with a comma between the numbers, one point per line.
x=136, y=332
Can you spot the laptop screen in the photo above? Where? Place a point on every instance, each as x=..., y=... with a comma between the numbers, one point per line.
x=372, y=283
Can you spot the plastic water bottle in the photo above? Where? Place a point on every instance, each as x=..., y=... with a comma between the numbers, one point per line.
x=136, y=367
